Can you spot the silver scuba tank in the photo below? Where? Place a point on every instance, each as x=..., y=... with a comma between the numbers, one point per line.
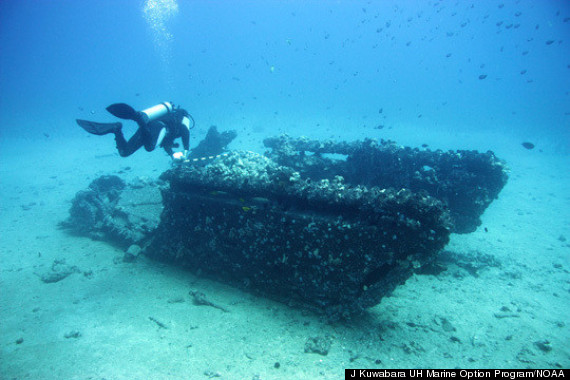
x=156, y=112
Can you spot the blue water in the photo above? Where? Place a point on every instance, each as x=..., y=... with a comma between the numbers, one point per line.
x=287, y=61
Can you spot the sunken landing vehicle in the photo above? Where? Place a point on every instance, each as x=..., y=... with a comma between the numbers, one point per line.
x=332, y=226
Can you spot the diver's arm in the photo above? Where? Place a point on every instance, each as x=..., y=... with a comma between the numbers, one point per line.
x=169, y=150
x=185, y=136
x=167, y=145
x=182, y=128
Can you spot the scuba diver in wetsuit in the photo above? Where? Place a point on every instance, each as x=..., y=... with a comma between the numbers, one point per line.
x=159, y=125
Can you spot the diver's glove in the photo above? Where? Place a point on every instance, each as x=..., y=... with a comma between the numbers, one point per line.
x=180, y=156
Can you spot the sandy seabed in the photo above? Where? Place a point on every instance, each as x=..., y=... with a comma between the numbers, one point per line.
x=101, y=322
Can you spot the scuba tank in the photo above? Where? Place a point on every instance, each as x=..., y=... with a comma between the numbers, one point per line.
x=156, y=112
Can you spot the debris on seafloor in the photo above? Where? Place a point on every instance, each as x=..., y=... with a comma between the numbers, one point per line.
x=200, y=299
x=72, y=334
x=158, y=323
x=116, y=211
x=58, y=271
x=318, y=345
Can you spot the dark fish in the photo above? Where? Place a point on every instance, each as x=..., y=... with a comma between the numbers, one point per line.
x=549, y=42
x=523, y=72
x=528, y=145
x=482, y=76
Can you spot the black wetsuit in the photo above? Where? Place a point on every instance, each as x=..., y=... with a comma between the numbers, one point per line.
x=148, y=133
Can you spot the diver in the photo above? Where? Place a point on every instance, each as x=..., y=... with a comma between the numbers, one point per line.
x=159, y=125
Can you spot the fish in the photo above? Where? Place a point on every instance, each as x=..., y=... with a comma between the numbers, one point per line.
x=528, y=145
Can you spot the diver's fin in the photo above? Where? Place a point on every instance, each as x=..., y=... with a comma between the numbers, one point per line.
x=122, y=111
x=99, y=128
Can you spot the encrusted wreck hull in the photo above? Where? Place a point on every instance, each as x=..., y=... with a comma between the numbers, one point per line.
x=334, y=234
x=465, y=181
x=339, y=249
